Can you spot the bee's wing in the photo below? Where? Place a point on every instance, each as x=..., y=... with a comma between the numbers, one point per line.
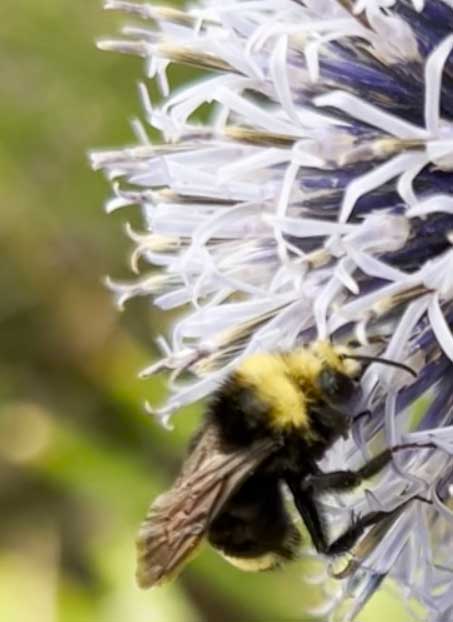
x=178, y=520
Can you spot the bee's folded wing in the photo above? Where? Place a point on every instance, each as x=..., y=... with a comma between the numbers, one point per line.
x=178, y=520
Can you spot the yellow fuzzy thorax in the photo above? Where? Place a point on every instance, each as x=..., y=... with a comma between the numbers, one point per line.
x=288, y=382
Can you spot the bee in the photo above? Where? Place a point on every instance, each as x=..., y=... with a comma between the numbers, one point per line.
x=268, y=425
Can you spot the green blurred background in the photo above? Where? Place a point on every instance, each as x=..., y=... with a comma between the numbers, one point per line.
x=79, y=459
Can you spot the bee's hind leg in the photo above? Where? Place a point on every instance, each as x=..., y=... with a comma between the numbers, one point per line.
x=313, y=517
x=310, y=512
x=347, y=540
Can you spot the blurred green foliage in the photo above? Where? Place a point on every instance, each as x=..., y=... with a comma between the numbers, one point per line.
x=79, y=459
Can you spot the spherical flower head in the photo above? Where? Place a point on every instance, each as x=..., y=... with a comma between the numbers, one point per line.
x=316, y=202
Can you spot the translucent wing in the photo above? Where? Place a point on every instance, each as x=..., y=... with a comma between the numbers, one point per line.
x=178, y=520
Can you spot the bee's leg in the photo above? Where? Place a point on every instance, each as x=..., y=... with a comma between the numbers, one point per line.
x=313, y=518
x=310, y=513
x=345, y=480
x=359, y=523
x=347, y=540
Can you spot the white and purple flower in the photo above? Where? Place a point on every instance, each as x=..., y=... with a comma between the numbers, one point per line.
x=316, y=201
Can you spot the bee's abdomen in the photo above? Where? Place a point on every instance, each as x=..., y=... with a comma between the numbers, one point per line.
x=255, y=525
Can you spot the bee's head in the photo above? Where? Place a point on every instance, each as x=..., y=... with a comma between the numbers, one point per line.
x=338, y=377
x=338, y=389
x=328, y=374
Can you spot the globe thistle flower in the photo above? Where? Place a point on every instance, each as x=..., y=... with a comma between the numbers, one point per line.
x=316, y=201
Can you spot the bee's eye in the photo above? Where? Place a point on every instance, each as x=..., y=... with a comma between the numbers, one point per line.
x=336, y=386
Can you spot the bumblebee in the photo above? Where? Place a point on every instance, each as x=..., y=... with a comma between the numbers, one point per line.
x=267, y=426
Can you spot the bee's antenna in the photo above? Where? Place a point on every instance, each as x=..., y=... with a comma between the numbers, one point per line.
x=384, y=361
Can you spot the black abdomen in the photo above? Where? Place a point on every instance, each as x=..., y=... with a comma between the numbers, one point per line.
x=255, y=522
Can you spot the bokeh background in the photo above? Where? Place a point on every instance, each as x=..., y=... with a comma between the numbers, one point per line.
x=79, y=459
